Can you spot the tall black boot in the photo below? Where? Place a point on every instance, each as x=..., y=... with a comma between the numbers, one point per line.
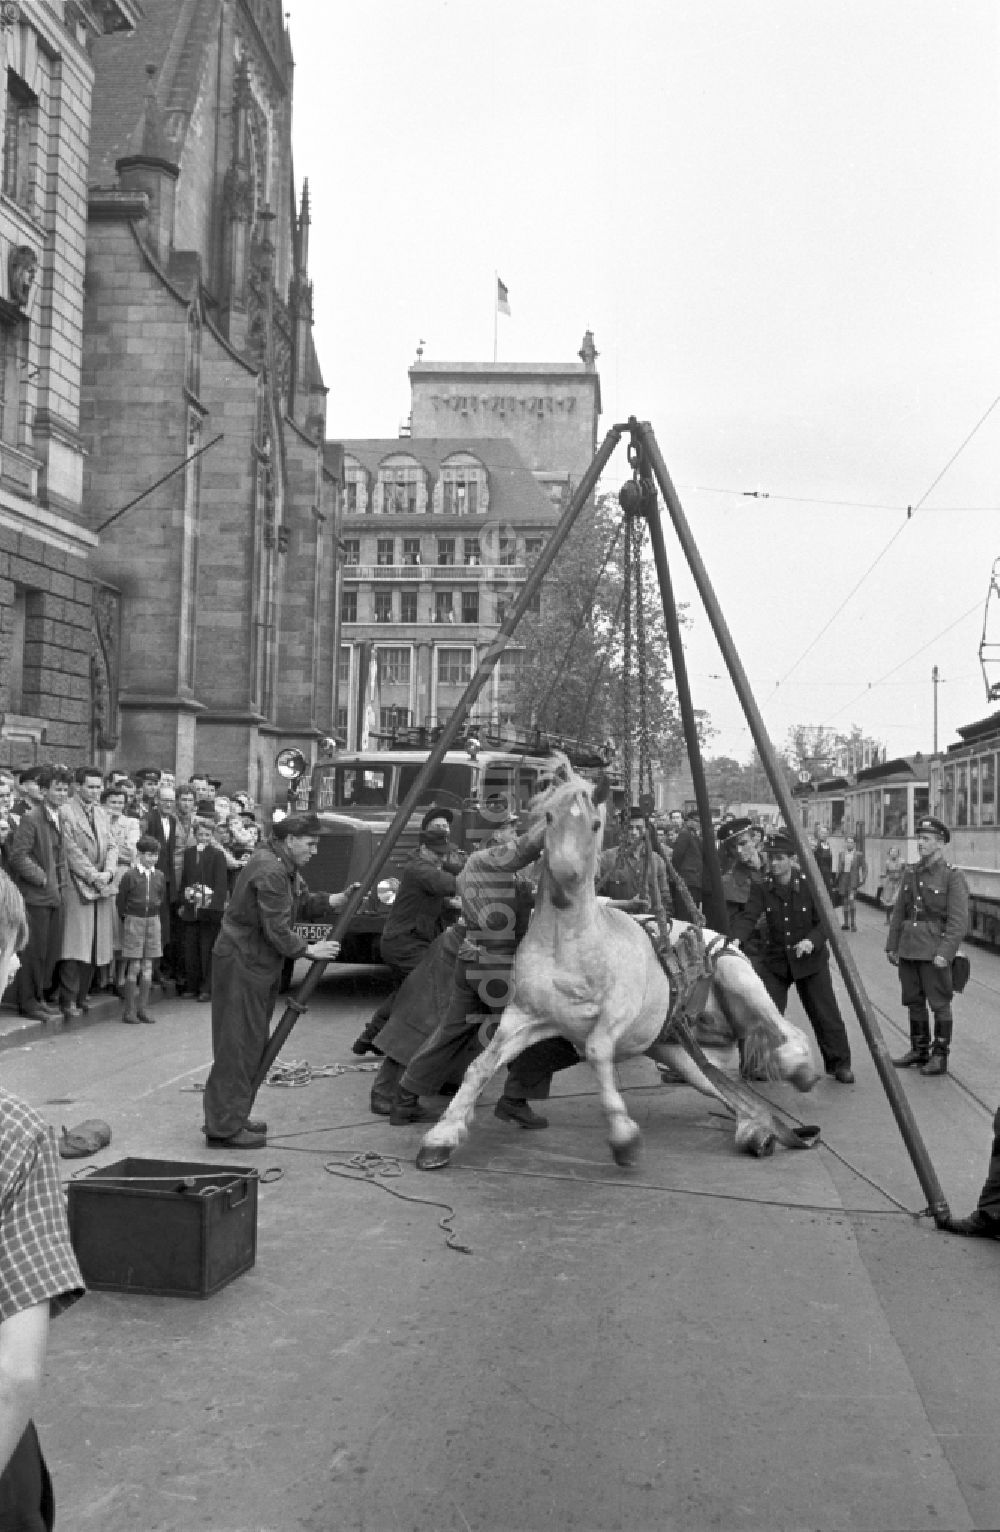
x=920, y=1042
x=937, y=1064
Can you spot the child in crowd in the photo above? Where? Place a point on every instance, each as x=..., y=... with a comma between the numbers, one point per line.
x=140, y=895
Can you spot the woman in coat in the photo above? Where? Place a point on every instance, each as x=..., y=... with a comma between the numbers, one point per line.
x=88, y=922
x=892, y=877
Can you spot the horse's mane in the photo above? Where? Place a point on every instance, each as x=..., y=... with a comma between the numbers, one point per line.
x=759, y=1038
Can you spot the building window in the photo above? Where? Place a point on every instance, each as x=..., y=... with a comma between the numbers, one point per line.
x=394, y=667
x=509, y=669
x=444, y=606
x=352, y=552
x=507, y=551
x=19, y=123
x=399, y=491
x=355, y=492
x=391, y=718
x=471, y=552
x=470, y=606
x=411, y=550
x=385, y=551
x=533, y=546
x=344, y=665
x=446, y=550
x=454, y=667
x=460, y=491
x=341, y=723
x=349, y=606
x=503, y=606
x=383, y=606
x=408, y=606
x=10, y=382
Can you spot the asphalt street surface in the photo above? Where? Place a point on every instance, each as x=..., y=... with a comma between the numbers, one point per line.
x=534, y=1338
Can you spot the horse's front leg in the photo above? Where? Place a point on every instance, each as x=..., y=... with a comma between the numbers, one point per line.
x=623, y=1132
x=516, y=1032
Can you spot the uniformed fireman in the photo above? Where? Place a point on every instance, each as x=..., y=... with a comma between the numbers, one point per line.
x=741, y=865
x=795, y=952
x=929, y=919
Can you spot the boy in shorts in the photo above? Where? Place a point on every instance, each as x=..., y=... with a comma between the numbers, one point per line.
x=140, y=894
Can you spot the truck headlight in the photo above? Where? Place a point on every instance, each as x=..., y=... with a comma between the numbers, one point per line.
x=387, y=890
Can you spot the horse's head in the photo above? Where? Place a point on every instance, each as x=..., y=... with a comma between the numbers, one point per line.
x=574, y=826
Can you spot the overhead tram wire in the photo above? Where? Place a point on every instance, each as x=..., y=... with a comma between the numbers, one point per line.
x=880, y=556
x=916, y=653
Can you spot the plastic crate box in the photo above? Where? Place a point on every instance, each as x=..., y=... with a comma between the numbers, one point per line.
x=164, y=1227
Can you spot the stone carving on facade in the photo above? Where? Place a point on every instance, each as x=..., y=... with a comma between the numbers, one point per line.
x=105, y=661
x=22, y=264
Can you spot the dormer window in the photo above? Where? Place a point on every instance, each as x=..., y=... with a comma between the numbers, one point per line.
x=401, y=489
x=463, y=486
x=355, y=489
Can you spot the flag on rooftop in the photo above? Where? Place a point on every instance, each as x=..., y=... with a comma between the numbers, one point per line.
x=503, y=307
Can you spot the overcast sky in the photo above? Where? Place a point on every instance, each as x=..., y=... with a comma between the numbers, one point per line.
x=780, y=220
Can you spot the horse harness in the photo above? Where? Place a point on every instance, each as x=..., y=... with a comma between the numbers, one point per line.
x=690, y=968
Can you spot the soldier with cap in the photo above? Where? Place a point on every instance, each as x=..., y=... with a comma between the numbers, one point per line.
x=929, y=919
x=795, y=952
x=418, y=913
x=254, y=940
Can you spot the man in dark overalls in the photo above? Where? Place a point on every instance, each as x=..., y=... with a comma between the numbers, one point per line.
x=255, y=938
x=929, y=919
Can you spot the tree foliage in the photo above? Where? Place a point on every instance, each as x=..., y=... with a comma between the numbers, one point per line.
x=572, y=681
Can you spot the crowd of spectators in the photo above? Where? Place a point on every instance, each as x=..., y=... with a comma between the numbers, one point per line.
x=68, y=836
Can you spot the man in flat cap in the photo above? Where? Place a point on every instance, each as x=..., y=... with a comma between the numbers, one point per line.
x=795, y=952
x=633, y=872
x=255, y=938
x=418, y=915
x=929, y=920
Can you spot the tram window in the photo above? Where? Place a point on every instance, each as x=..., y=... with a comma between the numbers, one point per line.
x=988, y=790
x=962, y=794
x=894, y=818
x=837, y=816
x=921, y=796
x=527, y=785
x=974, y=791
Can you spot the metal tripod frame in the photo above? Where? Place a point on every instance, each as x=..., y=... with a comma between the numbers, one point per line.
x=645, y=456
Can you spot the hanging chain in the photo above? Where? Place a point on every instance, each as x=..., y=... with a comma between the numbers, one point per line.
x=645, y=751
x=627, y=674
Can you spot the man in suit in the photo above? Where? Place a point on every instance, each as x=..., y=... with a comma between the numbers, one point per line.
x=687, y=856
x=88, y=925
x=38, y=866
x=161, y=824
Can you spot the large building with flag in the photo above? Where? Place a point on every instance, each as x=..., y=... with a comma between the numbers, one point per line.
x=440, y=527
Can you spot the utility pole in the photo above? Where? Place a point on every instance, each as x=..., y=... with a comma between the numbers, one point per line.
x=934, y=683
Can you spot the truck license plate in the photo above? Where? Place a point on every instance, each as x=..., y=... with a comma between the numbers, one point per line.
x=312, y=933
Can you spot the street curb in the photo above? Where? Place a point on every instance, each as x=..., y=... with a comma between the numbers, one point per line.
x=20, y=1031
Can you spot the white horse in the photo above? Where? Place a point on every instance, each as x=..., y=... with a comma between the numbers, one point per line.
x=589, y=972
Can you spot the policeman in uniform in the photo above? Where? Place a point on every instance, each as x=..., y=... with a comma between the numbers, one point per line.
x=929, y=919
x=795, y=952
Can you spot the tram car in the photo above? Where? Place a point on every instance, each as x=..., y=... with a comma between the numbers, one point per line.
x=963, y=792
x=879, y=807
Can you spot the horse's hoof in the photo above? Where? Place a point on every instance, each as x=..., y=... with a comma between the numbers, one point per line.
x=433, y=1156
x=626, y=1154
x=762, y=1144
